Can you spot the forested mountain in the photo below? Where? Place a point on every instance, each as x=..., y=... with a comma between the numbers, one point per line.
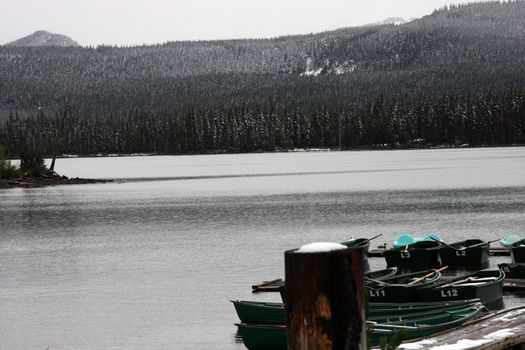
x=455, y=76
x=43, y=38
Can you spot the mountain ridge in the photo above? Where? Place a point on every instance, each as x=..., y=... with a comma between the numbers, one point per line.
x=44, y=38
x=460, y=49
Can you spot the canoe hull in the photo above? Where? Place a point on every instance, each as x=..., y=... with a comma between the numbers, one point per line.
x=446, y=322
x=260, y=313
x=263, y=337
x=253, y=312
x=383, y=309
x=397, y=289
x=489, y=293
x=513, y=271
x=419, y=256
x=393, y=294
x=518, y=254
x=465, y=258
x=270, y=337
x=380, y=275
x=363, y=243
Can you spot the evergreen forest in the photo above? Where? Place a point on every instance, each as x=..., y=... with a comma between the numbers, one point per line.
x=455, y=77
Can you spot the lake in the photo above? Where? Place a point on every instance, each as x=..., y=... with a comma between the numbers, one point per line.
x=150, y=260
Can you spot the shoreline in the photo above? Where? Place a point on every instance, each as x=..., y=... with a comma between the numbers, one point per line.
x=292, y=150
x=35, y=182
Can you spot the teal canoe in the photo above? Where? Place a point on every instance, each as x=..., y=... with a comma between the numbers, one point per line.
x=509, y=240
x=402, y=288
x=516, y=244
x=470, y=254
x=405, y=239
x=486, y=285
x=417, y=256
x=273, y=337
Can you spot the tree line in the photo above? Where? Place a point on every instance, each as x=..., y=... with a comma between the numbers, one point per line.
x=486, y=119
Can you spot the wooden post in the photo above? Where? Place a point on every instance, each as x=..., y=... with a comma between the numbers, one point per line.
x=325, y=302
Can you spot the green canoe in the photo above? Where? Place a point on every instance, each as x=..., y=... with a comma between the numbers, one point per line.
x=469, y=254
x=380, y=275
x=424, y=326
x=509, y=240
x=254, y=312
x=417, y=256
x=382, y=309
x=263, y=337
x=513, y=271
x=359, y=242
x=516, y=244
x=273, y=337
x=397, y=318
x=486, y=285
x=377, y=275
x=363, y=243
x=402, y=288
x=517, y=252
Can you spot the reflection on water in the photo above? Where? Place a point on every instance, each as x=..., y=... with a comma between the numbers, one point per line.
x=152, y=265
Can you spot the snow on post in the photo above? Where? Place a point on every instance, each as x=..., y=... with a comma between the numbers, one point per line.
x=321, y=247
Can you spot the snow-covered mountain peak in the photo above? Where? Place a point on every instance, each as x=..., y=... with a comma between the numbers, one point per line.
x=44, y=38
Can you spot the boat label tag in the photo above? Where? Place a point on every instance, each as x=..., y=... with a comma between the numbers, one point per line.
x=461, y=253
x=405, y=255
x=377, y=293
x=449, y=293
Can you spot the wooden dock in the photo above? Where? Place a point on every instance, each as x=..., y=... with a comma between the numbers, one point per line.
x=503, y=330
x=378, y=253
x=511, y=284
x=268, y=286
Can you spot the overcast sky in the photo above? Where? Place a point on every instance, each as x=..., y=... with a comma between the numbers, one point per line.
x=128, y=22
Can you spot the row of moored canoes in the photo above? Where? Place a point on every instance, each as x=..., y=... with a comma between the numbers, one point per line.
x=396, y=305
x=427, y=254
x=431, y=252
x=407, y=305
x=263, y=327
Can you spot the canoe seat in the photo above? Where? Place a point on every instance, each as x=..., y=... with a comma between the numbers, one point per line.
x=470, y=284
x=390, y=326
x=484, y=279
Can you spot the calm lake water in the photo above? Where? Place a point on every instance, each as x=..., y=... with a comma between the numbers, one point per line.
x=150, y=260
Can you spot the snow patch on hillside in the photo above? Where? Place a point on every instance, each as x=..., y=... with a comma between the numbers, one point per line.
x=327, y=67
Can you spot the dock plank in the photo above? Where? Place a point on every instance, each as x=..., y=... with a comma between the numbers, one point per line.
x=268, y=286
x=499, y=331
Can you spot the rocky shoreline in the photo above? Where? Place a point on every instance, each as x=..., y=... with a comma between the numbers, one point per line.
x=49, y=180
